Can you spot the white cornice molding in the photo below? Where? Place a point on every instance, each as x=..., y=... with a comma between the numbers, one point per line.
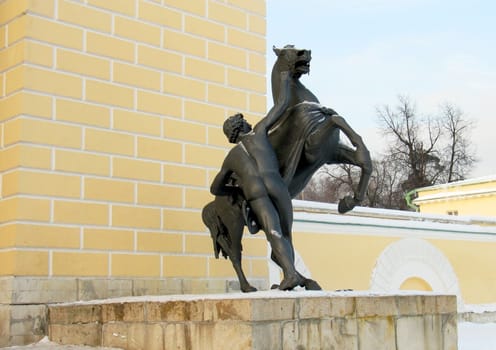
x=323, y=218
x=447, y=196
x=474, y=181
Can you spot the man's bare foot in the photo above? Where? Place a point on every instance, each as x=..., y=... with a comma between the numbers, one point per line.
x=290, y=282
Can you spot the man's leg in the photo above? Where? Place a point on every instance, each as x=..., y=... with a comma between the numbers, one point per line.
x=281, y=247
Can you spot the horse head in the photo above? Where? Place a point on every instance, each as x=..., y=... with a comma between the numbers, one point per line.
x=289, y=58
x=296, y=61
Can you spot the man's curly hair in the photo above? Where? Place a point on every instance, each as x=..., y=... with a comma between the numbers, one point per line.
x=233, y=126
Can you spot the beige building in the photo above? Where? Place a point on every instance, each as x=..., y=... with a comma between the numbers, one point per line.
x=473, y=197
x=389, y=250
x=110, y=120
x=110, y=135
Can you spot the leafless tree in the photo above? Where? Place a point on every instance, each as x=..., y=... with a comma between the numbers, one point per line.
x=427, y=150
x=384, y=187
x=458, y=151
x=413, y=142
x=329, y=184
x=421, y=151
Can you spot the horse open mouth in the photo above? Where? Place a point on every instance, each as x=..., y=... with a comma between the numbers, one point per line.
x=302, y=66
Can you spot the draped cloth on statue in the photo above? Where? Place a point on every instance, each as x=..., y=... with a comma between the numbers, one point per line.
x=290, y=139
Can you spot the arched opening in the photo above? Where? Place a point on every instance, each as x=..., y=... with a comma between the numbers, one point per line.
x=414, y=264
x=416, y=283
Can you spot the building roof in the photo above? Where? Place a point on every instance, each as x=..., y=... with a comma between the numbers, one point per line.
x=473, y=181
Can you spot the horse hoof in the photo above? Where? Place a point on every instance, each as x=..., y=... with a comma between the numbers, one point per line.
x=346, y=204
x=248, y=289
x=312, y=285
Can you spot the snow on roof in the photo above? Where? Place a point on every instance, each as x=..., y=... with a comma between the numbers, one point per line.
x=455, y=195
x=473, y=181
x=328, y=213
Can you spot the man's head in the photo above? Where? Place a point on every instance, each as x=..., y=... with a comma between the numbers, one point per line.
x=234, y=126
x=297, y=61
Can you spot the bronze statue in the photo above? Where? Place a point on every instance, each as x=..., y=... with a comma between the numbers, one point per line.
x=273, y=162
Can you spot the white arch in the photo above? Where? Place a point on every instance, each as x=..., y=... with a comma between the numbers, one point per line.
x=413, y=257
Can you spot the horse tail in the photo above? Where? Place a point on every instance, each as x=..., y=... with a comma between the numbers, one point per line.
x=218, y=231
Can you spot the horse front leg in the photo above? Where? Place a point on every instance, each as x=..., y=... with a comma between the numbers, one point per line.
x=366, y=166
x=361, y=158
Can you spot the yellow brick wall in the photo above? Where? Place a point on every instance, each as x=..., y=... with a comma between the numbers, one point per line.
x=110, y=132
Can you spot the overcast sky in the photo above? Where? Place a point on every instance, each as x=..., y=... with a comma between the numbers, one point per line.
x=367, y=52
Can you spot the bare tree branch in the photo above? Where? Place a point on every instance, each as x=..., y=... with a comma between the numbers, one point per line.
x=421, y=151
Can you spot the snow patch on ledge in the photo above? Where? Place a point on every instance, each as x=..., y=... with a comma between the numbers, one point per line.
x=480, y=308
x=271, y=294
x=326, y=213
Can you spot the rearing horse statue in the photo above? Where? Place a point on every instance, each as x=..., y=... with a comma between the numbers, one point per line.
x=304, y=138
x=313, y=133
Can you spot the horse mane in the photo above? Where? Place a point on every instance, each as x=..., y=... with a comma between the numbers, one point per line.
x=275, y=79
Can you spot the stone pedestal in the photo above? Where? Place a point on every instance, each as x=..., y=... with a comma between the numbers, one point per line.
x=24, y=300
x=262, y=320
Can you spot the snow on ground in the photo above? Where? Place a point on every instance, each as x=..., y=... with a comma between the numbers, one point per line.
x=46, y=344
x=476, y=336
x=479, y=308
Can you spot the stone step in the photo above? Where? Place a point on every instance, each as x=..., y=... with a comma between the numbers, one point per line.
x=261, y=320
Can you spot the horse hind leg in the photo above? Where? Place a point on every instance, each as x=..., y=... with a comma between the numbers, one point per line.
x=236, y=234
x=235, y=258
x=244, y=285
x=226, y=230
